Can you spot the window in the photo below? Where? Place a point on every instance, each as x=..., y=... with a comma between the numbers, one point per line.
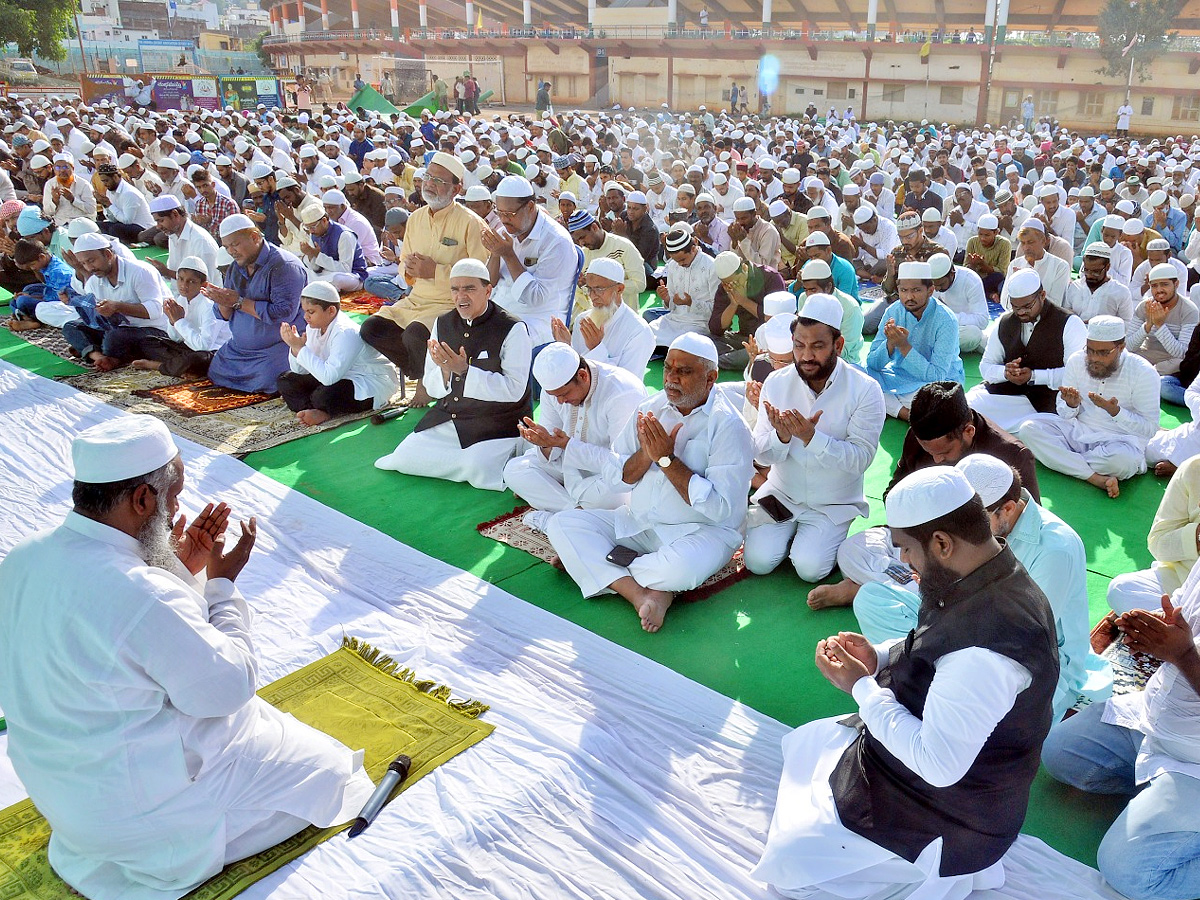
x=952, y=95
x=1186, y=108
x=1091, y=104
x=837, y=90
x=893, y=93
x=1045, y=103
x=1147, y=106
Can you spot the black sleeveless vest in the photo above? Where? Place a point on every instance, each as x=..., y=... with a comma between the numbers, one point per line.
x=1044, y=351
x=997, y=607
x=477, y=420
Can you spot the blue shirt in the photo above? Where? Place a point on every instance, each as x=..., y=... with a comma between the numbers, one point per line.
x=57, y=277
x=1175, y=231
x=359, y=149
x=844, y=279
x=934, y=354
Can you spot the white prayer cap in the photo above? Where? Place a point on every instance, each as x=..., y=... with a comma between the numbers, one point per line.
x=556, y=364
x=727, y=263
x=991, y=478
x=790, y=176
x=1125, y=206
x=777, y=303
x=125, y=160
x=851, y=190
x=471, y=268
x=1099, y=249
x=122, y=448
x=307, y=151
x=863, y=213
x=477, y=192
x=606, y=267
x=818, y=212
x=321, y=291
x=912, y=269
x=1033, y=225
x=637, y=197
x=1024, y=282
x=168, y=163
x=515, y=187
x=697, y=345
x=744, y=204
x=1113, y=221
x=260, y=170
x=1045, y=190
x=1158, y=244
x=1132, y=227
x=1107, y=184
x=1106, y=328
x=80, y=226
x=989, y=222
x=234, y=223
x=940, y=265
x=925, y=495
x=719, y=179
x=815, y=270
x=352, y=178
x=823, y=308
x=817, y=238
x=286, y=181
x=312, y=214
x=165, y=203
x=334, y=198
x=564, y=195
x=1158, y=198
x=777, y=208
x=706, y=197
x=1162, y=272
x=92, y=241
x=777, y=334
x=196, y=264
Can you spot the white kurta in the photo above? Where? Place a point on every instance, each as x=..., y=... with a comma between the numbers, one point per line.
x=821, y=482
x=1055, y=274
x=338, y=353
x=137, y=282
x=200, y=328
x=1176, y=445
x=1110, y=299
x=437, y=452
x=192, y=241
x=698, y=280
x=807, y=845
x=966, y=299
x=1087, y=440
x=546, y=289
x=129, y=693
x=627, y=342
x=575, y=475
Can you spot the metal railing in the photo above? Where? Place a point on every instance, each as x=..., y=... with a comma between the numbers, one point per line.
x=1064, y=39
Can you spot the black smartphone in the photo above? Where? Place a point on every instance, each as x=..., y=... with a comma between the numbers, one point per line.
x=774, y=508
x=622, y=556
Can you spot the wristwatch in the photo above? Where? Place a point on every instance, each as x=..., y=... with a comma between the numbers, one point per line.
x=664, y=461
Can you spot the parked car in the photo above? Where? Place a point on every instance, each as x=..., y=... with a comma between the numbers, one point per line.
x=19, y=71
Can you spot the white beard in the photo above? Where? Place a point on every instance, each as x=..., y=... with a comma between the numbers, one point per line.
x=155, y=541
x=602, y=315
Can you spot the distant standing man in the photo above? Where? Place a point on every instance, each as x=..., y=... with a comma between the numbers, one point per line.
x=1027, y=112
x=1124, y=114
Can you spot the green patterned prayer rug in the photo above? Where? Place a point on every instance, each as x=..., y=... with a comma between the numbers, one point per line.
x=358, y=696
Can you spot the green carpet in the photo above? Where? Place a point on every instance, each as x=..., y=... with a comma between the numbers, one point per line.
x=753, y=642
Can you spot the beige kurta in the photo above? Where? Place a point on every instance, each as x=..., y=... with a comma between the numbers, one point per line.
x=449, y=235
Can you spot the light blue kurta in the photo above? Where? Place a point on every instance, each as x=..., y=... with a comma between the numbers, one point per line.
x=934, y=354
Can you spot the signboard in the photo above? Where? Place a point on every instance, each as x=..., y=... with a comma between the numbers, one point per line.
x=153, y=92
x=246, y=92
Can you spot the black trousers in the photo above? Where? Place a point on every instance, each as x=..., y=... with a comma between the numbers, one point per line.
x=305, y=392
x=122, y=232
x=125, y=342
x=406, y=347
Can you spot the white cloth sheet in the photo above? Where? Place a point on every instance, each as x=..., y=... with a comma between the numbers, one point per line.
x=608, y=775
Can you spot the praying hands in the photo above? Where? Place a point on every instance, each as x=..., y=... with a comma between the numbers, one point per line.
x=451, y=362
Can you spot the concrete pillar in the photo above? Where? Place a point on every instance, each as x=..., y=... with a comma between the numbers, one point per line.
x=1002, y=22
x=424, y=14
x=591, y=12
x=300, y=15
x=767, y=13
x=527, y=13
x=989, y=21
x=395, y=21
x=324, y=15
x=470, y=15
x=872, y=19
x=354, y=14
x=672, y=14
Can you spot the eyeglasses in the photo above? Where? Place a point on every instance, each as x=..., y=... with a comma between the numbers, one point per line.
x=512, y=214
x=593, y=291
x=1092, y=351
x=436, y=182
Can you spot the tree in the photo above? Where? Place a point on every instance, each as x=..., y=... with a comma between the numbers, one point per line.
x=37, y=26
x=257, y=46
x=1137, y=29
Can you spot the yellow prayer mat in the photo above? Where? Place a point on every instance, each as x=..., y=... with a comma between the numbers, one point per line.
x=355, y=694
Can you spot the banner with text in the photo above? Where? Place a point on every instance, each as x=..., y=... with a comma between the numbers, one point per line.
x=153, y=92
x=246, y=92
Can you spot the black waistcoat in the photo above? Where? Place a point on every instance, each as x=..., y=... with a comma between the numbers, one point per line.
x=477, y=420
x=997, y=607
x=1044, y=351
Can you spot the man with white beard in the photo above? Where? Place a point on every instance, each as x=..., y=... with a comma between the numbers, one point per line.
x=609, y=332
x=133, y=722
x=584, y=406
x=437, y=236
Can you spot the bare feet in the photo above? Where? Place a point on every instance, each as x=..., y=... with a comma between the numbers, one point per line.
x=654, y=609
x=146, y=365
x=420, y=397
x=827, y=596
x=312, y=416
x=1106, y=483
x=105, y=363
x=23, y=324
x=1165, y=469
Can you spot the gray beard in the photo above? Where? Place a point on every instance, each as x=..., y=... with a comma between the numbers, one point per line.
x=602, y=315
x=433, y=201
x=155, y=541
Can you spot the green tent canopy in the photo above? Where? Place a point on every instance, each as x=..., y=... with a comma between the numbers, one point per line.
x=429, y=102
x=370, y=99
